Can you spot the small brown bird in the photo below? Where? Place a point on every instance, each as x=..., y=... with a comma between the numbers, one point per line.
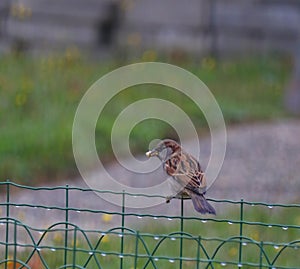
x=186, y=171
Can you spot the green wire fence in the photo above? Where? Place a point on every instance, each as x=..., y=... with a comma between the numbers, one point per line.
x=243, y=235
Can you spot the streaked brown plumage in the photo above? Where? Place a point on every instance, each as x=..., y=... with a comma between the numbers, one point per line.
x=186, y=171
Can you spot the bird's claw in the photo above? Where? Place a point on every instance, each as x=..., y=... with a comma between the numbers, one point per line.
x=168, y=199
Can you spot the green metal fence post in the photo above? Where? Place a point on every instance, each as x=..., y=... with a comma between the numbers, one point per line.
x=181, y=234
x=74, y=248
x=241, y=230
x=198, y=252
x=66, y=221
x=7, y=222
x=122, y=229
x=15, y=245
x=261, y=254
x=136, y=249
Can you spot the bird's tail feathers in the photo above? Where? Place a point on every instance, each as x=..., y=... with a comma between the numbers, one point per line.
x=201, y=205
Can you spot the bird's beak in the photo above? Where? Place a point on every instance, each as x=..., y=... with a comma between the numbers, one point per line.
x=151, y=153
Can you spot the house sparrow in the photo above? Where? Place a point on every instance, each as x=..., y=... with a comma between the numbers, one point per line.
x=186, y=171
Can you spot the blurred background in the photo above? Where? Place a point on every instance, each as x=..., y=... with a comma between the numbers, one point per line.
x=127, y=27
x=51, y=51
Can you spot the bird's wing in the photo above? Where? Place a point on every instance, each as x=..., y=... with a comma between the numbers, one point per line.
x=191, y=182
x=189, y=174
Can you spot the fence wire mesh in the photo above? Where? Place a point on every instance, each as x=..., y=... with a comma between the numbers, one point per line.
x=253, y=235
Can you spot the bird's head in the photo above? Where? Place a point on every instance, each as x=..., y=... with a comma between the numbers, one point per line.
x=164, y=149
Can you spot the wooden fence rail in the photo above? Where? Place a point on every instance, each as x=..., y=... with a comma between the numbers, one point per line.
x=199, y=26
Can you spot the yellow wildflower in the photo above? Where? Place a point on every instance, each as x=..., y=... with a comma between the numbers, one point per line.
x=232, y=252
x=105, y=239
x=149, y=56
x=21, y=99
x=107, y=218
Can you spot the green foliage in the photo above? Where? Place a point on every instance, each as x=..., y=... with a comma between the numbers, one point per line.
x=39, y=97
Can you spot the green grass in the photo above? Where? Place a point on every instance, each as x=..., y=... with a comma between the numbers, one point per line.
x=161, y=240
x=39, y=97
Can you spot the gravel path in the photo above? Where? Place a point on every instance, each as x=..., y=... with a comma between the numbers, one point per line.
x=262, y=164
